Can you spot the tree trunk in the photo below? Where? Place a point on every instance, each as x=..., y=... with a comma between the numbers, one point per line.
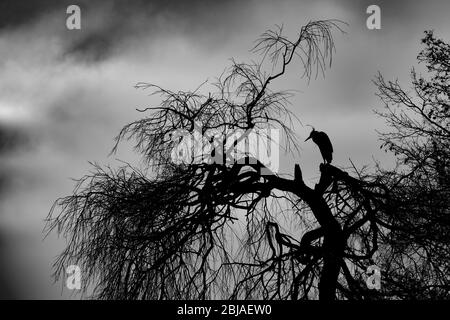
x=333, y=251
x=334, y=240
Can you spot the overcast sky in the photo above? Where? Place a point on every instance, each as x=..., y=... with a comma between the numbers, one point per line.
x=64, y=94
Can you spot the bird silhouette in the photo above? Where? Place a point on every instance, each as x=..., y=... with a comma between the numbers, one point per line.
x=323, y=142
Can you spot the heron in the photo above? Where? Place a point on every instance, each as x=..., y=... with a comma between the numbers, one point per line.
x=323, y=142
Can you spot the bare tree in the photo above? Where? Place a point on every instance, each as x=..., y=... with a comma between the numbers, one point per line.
x=417, y=236
x=220, y=228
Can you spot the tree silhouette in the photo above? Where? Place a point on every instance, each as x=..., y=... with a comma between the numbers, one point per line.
x=416, y=260
x=228, y=226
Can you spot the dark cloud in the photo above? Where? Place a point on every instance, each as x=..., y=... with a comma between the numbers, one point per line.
x=11, y=285
x=94, y=47
x=109, y=25
x=125, y=25
x=15, y=13
x=11, y=139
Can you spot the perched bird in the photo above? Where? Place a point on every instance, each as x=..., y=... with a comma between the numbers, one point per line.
x=323, y=142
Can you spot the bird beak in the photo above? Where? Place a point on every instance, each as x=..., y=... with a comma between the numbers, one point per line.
x=308, y=138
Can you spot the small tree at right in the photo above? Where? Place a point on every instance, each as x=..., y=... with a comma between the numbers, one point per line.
x=415, y=246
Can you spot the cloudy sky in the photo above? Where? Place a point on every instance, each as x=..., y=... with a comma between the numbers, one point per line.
x=64, y=94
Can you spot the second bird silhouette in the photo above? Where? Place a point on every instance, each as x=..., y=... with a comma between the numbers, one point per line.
x=323, y=142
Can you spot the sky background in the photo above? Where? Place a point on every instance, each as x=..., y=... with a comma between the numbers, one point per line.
x=65, y=94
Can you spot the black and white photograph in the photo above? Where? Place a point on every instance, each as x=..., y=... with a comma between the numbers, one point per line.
x=242, y=152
